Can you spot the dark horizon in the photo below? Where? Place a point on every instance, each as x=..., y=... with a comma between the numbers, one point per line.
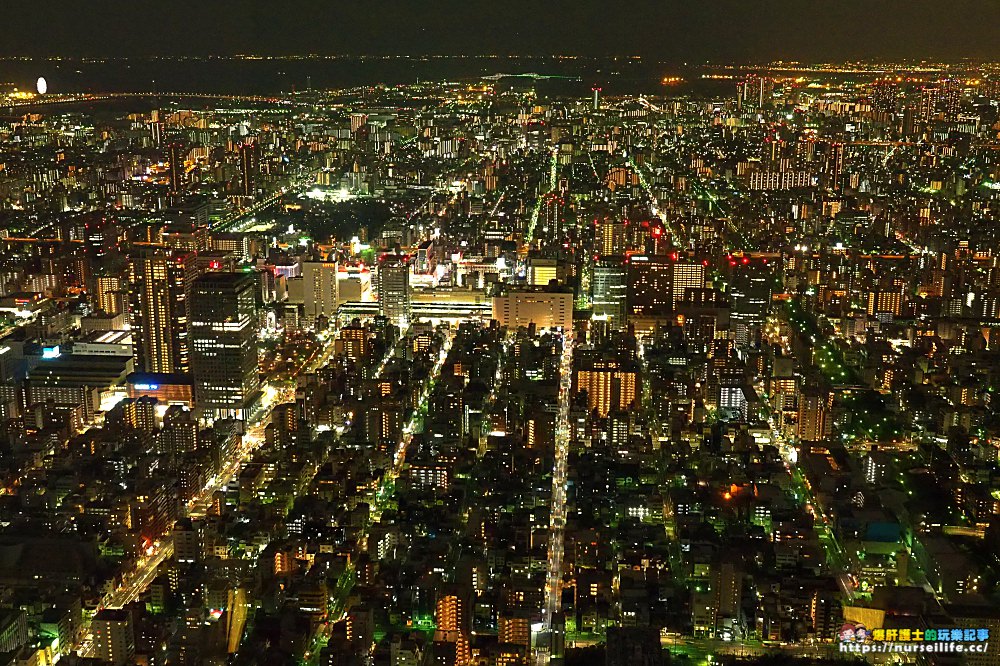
x=669, y=31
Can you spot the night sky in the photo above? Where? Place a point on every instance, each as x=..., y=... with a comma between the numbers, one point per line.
x=671, y=30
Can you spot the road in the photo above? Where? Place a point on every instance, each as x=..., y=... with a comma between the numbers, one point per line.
x=135, y=583
x=557, y=512
x=341, y=592
x=132, y=587
x=238, y=221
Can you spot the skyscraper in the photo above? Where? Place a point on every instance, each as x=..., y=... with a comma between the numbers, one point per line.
x=320, y=283
x=750, y=293
x=610, y=236
x=650, y=286
x=610, y=288
x=175, y=158
x=686, y=275
x=249, y=168
x=394, y=287
x=159, y=278
x=224, y=343
x=611, y=383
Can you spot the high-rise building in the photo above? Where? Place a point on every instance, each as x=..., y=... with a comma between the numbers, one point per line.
x=611, y=237
x=609, y=288
x=611, y=383
x=686, y=275
x=928, y=103
x=884, y=96
x=224, y=343
x=159, y=279
x=175, y=159
x=754, y=92
x=114, y=638
x=352, y=343
x=542, y=271
x=650, y=286
x=320, y=284
x=249, y=168
x=453, y=611
x=750, y=293
x=835, y=166
x=110, y=296
x=393, y=279
x=814, y=421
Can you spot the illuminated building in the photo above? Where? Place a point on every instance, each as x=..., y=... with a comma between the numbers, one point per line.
x=114, y=640
x=354, y=284
x=754, y=92
x=249, y=168
x=224, y=342
x=169, y=389
x=609, y=287
x=158, y=279
x=175, y=160
x=686, y=275
x=320, y=281
x=611, y=237
x=542, y=308
x=610, y=383
x=814, y=422
x=352, y=343
x=453, y=618
x=749, y=299
x=650, y=286
x=542, y=271
x=110, y=295
x=393, y=279
x=835, y=166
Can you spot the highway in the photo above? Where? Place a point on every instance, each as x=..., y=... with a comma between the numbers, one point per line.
x=557, y=512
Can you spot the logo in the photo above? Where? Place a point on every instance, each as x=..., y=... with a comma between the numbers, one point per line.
x=854, y=633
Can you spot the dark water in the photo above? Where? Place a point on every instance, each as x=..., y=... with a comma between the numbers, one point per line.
x=274, y=76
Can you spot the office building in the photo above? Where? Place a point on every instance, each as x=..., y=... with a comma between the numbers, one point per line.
x=175, y=159
x=224, y=343
x=650, y=286
x=320, y=281
x=611, y=384
x=609, y=288
x=249, y=168
x=544, y=309
x=393, y=278
x=159, y=279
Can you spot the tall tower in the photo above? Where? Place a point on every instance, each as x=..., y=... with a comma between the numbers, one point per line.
x=224, y=343
x=750, y=291
x=394, y=288
x=249, y=168
x=176, y=163
x=158, y=281
x=835, y=166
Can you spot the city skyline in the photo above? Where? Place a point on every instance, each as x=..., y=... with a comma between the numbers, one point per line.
x=500, y=360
